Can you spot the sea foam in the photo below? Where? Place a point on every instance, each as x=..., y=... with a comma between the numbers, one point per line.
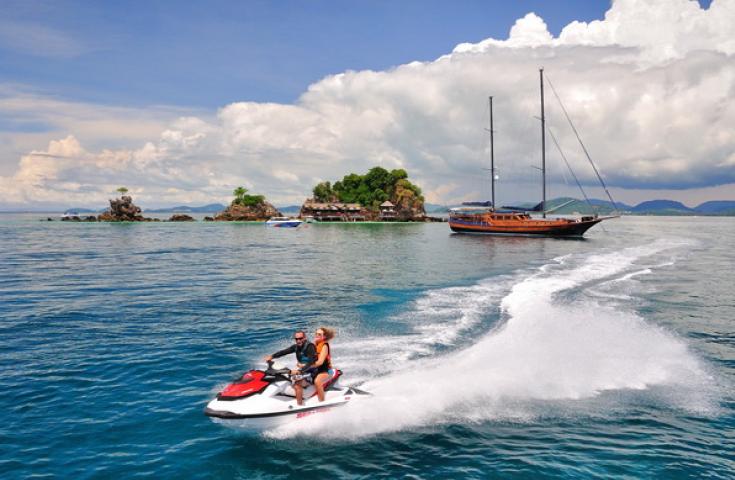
x=555, y=344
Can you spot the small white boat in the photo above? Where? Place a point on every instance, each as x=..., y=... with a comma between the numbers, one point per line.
x=283, y=222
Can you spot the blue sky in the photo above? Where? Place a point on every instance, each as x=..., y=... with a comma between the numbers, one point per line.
x=183, y=101
x=208, y=54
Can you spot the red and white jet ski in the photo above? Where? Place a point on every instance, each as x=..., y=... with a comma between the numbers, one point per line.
x=262, y=399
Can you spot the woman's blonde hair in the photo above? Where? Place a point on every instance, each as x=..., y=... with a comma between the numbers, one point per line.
x=328, y=333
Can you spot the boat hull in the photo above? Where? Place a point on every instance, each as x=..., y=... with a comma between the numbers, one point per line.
x=534, y=228
x=289, y=224
x=258, y=414
x=256, y=423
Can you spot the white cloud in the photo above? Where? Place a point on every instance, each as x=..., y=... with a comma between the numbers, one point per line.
x=662, y=29
x=529, y=31
x=649, y=87
x=29, y=120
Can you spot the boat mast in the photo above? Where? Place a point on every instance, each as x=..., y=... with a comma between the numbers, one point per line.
x=543, y=146
x=492, y=156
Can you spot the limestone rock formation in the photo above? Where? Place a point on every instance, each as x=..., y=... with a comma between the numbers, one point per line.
x=180, y=217
x=408, y=205
x=260, y=212
x=76, y=218
x=123, y=210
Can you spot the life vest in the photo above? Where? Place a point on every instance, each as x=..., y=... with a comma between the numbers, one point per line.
x=319, y=348
x=301, y=355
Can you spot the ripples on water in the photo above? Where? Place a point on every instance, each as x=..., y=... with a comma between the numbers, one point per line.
x=613, y=356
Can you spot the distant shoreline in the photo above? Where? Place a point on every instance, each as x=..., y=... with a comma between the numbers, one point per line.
x=199, y=218
x=624, y=214
x=432, y=214
x=574, y=207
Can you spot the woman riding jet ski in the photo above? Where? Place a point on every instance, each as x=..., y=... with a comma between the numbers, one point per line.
x=265, y=398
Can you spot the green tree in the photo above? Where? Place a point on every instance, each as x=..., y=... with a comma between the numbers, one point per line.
x=378, y=178
x=346, y=190
x=323, y=192
x=239, y=194
x=242, y=198
x=380, y=196
x=398, y=174
x=372, y=189
x=252, y=200
x=122, y=190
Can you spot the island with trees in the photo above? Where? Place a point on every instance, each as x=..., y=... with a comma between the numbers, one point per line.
x=246, y=208
x=379, y=195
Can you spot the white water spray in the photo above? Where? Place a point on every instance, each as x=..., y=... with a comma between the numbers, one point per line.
x=556, y=345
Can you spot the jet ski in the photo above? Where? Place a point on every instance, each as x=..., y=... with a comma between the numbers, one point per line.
x=262, y=399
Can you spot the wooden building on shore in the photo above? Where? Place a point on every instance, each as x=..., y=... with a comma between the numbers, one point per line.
x=333, y=211
x=388, y=212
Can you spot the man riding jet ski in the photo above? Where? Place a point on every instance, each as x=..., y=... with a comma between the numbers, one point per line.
x=262, y=398
x=265, y=398
x=305, y=352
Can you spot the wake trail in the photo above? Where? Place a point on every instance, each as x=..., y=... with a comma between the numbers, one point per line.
x=551, y=347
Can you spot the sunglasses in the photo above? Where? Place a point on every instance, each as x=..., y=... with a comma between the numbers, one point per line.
x=298, y=339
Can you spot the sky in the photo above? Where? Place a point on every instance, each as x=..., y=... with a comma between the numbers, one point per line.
x=183, y=101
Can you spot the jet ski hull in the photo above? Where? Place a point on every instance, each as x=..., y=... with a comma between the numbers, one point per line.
x=261, y=400
x=264, y=421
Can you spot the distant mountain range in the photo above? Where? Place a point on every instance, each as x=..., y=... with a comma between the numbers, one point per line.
x=604, y=207
x=669, y=207
x=82, y=210
x=211, y=208
x=717, y=207
x=290, y=209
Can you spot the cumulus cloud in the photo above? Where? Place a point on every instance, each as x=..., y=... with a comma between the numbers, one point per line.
x=649, y=87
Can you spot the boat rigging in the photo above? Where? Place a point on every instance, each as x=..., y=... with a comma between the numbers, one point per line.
x=487, y=219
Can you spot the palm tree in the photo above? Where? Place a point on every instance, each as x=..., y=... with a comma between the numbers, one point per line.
x=239, y=194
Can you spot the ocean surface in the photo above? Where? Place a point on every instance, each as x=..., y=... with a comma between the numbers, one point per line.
x=488, y=357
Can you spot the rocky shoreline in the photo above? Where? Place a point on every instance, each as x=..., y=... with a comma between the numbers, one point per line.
x=124, y=210
x=188, y=218
x=247, y=213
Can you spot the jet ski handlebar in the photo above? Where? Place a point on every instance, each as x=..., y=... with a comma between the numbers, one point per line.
x=277, y=372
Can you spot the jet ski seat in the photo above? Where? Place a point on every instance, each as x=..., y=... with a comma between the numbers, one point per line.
x=310, y=390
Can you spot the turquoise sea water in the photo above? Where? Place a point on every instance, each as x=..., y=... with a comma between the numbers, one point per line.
x=488, y=357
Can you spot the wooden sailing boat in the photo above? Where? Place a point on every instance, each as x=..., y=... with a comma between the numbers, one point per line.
x=481, y=218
